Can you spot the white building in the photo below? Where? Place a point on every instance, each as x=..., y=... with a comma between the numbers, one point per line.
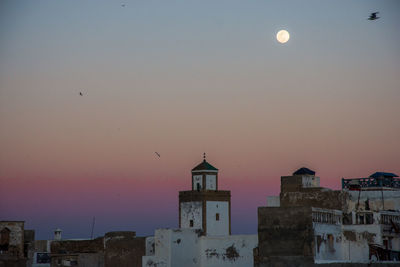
x=204, y=235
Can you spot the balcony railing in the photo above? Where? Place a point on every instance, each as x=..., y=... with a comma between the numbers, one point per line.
x=326, y=216
x=370, y=182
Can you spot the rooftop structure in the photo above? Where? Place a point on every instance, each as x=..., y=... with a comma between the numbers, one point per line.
x=376, y=181
x=308, y=225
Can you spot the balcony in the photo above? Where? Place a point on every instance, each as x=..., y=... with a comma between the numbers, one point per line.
x=371, y=183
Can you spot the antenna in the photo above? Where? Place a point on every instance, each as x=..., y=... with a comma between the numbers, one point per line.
x=91, y=235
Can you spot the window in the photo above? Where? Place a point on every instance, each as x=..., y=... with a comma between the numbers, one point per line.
x=191, y=223
x=43, y=258
x=198, y=187
x=217, y=216
x=4, y=239
x=331, y=240
x=369, y=218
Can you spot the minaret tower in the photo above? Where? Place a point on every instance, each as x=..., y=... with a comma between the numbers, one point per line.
x=205, y=207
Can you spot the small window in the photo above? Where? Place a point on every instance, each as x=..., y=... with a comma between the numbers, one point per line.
x=217, y=216
x=369, y=218
x=198, y=187
x=4, y=239
x=331, y=240
x=191, y=223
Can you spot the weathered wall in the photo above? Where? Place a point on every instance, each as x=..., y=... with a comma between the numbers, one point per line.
x=184, y=248
x=297, y=182
x=150, y=246
x=121, y=249
x=234, y=250
x=16, y=237
x=78, y=259
x=391, y=200
x=328, y=241
x=77, y=246
x=124, y=249
x=191, y=211
x=315, y=197
x=356, y=239
x=91, y=259
x=187, y=247
x=174, y=248
x=12, y=262
x=220, y=227
x=279, y=235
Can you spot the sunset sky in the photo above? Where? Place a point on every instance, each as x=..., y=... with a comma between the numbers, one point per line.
x=181, y=78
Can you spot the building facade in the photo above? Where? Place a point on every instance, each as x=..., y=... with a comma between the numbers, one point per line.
x=308, y=225
x=203, y=238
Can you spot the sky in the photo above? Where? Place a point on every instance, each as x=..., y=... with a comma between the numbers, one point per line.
x=182, y=78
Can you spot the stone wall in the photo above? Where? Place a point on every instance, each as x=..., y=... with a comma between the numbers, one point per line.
x=77, y=246
x=124, y=249
x=315, y=197
x=12, y=235
x=285, y=234
x=121, y=249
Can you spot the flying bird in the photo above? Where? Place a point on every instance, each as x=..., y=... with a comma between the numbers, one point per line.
x=158, y=154
x=80, y=93
x=373, y=16
x=123, y=5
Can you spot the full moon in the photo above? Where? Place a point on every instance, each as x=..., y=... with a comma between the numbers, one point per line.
x=282, y=36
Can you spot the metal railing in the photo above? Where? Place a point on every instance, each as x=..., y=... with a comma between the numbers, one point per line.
x=369, y=182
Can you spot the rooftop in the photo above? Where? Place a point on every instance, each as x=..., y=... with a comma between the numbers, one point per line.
x=304, y=171
x=377, y=180
x=383, y=175
x=204, y=166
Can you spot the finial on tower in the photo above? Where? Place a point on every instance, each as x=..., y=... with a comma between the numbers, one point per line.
x=204, y=156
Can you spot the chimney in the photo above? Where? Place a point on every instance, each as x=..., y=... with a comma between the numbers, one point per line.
x=57, y=234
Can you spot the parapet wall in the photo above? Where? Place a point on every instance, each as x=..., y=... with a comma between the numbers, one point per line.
x=315, y=197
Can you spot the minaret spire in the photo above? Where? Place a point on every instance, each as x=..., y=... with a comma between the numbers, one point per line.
x=204, y=156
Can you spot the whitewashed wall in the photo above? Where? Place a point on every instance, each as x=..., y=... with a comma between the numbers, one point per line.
x=150, y=246
x=329, y=244
x=215, y=227
x=191, y=211
x=273, y=201
x=211, y=182
x=233, y=250
x=186, y=248
x=357, y=250
x=310, y=181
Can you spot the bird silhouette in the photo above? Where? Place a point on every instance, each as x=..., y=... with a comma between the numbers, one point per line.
x=80, y=93
x=373, y=16
x=158, y=154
